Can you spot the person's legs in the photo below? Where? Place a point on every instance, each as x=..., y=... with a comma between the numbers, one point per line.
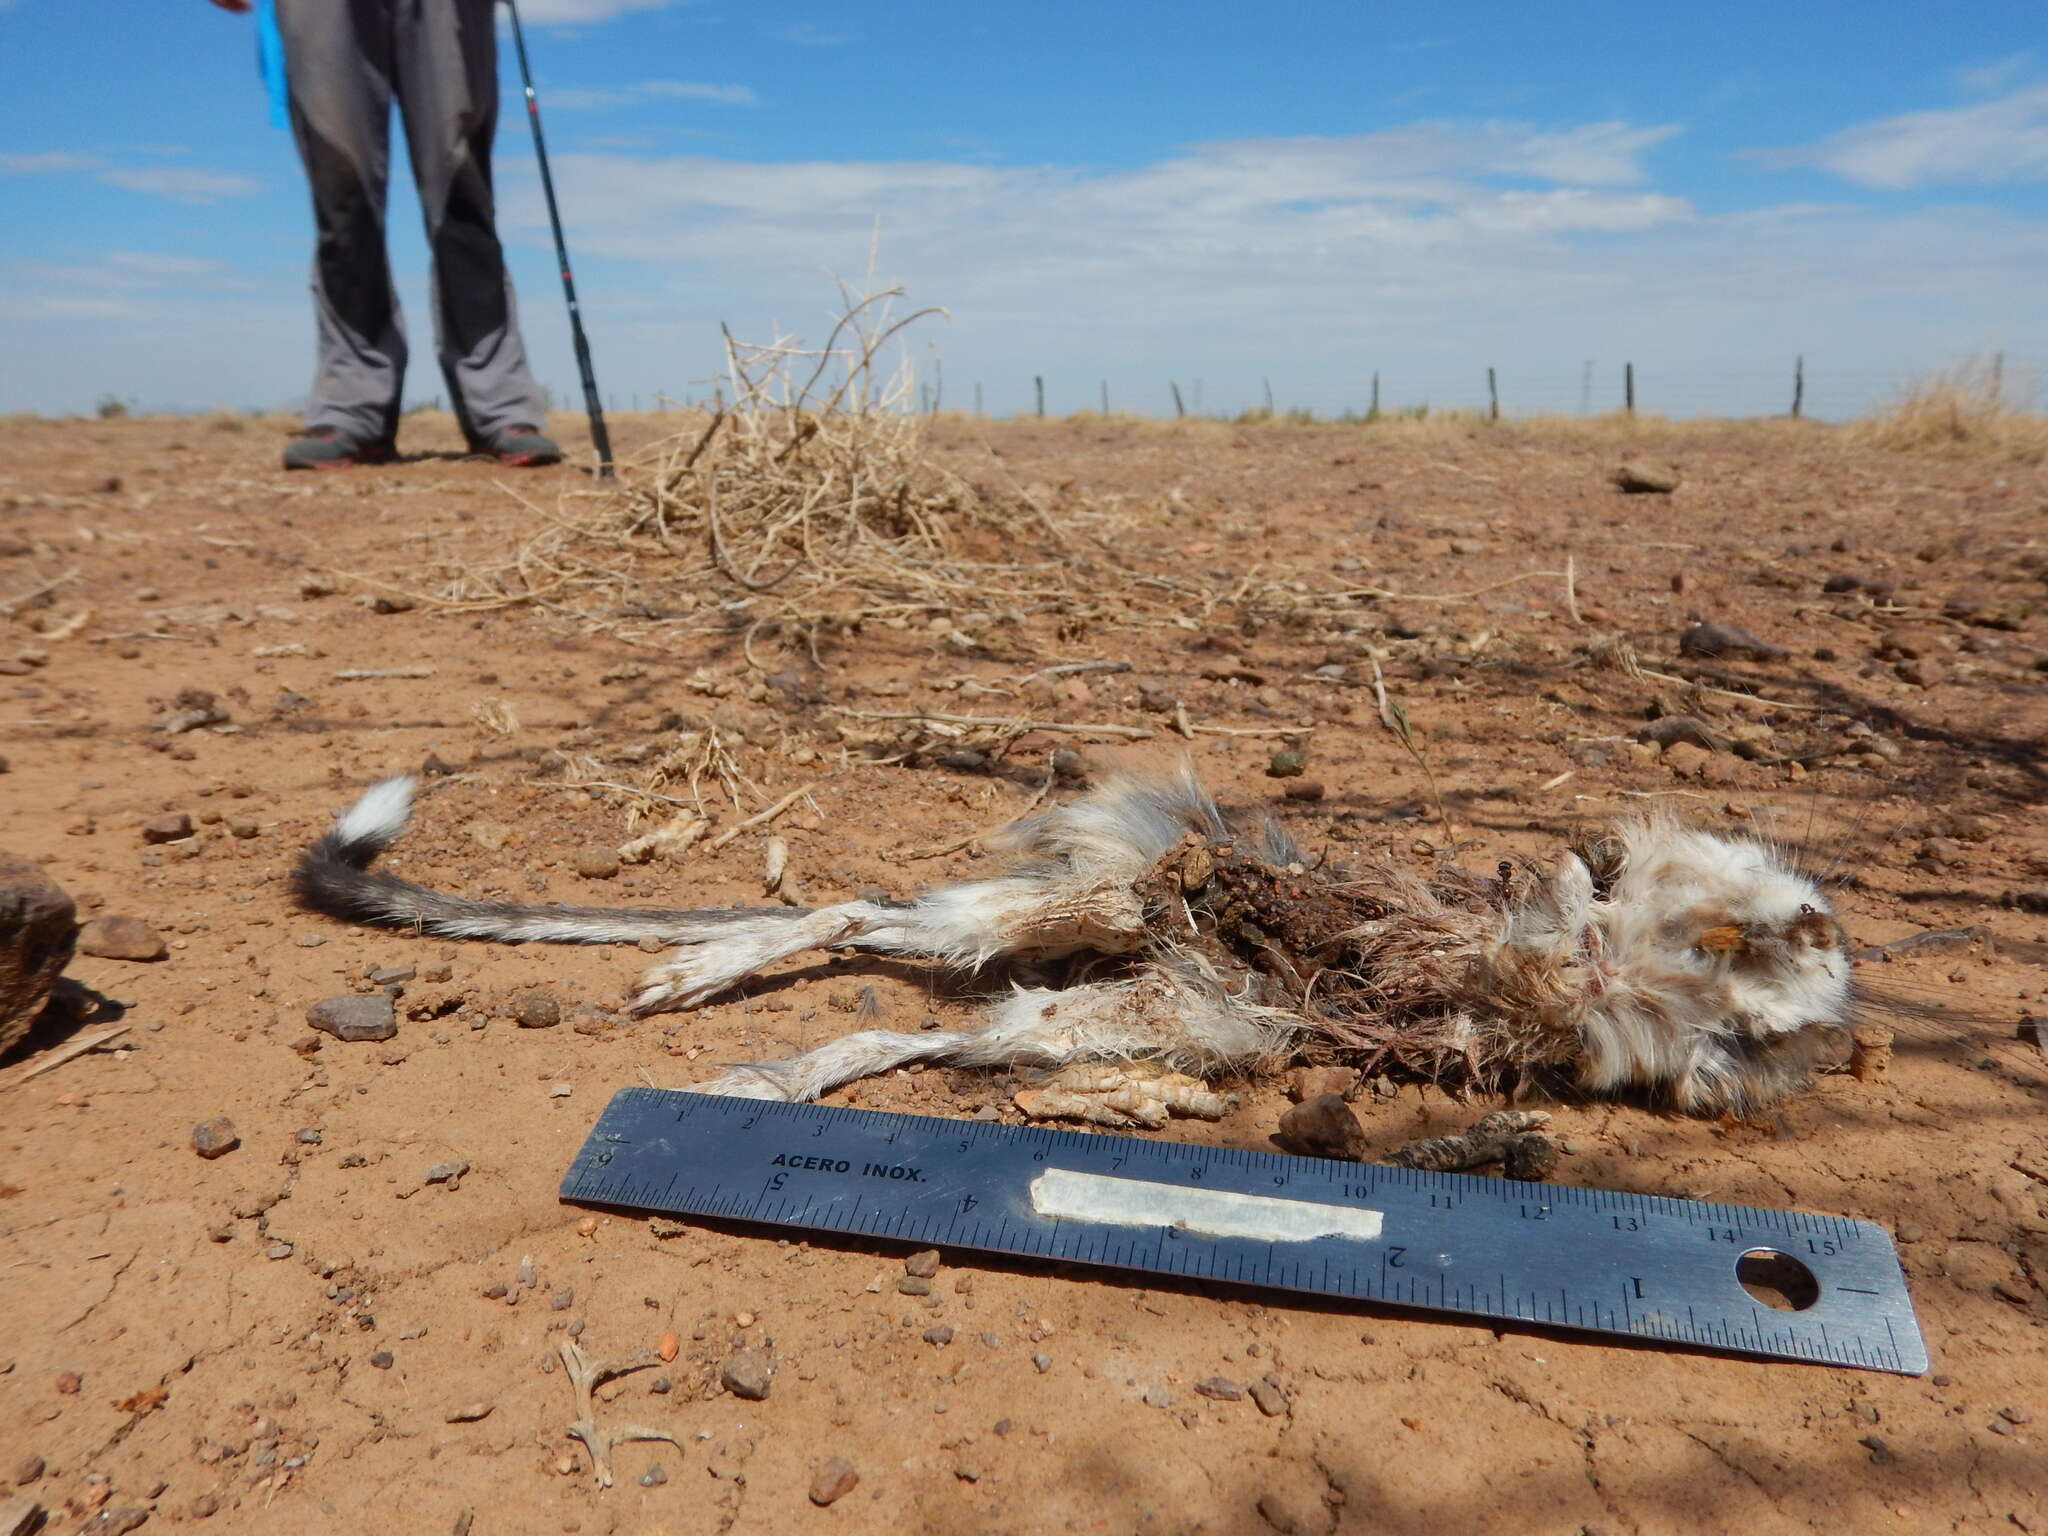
x=446, y=75
x=338, y=64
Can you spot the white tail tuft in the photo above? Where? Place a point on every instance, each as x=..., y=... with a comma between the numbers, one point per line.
x=380, y=815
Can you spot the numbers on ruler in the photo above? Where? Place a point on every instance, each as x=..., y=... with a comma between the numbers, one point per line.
x=1443, y=1202
x=1197, y=1172
x=748, y=1123
x=775, y=1183
x=967, y=1203
x=1534, y=1212
x=1358, y=1191
x=1627, y=1223
x=1822, y=1245
x=1724, y=1235
x=1395, y=1256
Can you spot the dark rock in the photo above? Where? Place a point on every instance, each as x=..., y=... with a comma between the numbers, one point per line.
x=1324, y=1126
x=173, y=828
x=1728, y=642
x=449, y=1173
x=1309, y=790
x=1288, y=763
x=1532, y=1157
x=538, y=1009
x=382, y=1360
x=938, y=1334
x=747, y=1374
x=354, y=1018
x=215, y=1138
x=924, y=1263
x=38, y=927
x=1689, y=729
x=1270, y=1397
x=1221, y=1388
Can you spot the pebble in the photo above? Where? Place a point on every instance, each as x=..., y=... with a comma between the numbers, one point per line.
x=1287, y=763
x=1043, y=1363
x=355, y=1018
x=1636, y=478
x=563, y=1300
x=382, y=1360
x=1880, y=1453
x=278, y=1251
x=654, y=1476
x=747, y=1375
x=560, y=1090
x=121, y=938
x=469, y=1413
x=923, y=1264
x=1267, y=1393
x=1727, y=640
x=537, y=1009
x=215, y=1138
x=1324, y=1126
x=308, y=1136
x=1309, y=790
x=391, y=975
x=594, y=862
x=449, y=1173
x=2015, y=1415
x=173, y=828
x=914, y=1285
x=833, y=1481
x=938, y=1334
x=1221, y=1388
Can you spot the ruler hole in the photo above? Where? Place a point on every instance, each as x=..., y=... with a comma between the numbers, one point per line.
x=1777, y=1279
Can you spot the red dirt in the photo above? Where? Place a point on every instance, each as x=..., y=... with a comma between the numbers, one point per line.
x=211, y=1376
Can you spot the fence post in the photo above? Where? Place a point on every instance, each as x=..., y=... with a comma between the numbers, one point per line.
x=1179, y=410
x=1038, y=384
x=1628, y=387
x=977, y=397
x=1105, y=397
x=1374, y=413
x=1798, y=386
x=1492, y=397
x=1997, y=377
x=1586, y=387
x=1267, y=385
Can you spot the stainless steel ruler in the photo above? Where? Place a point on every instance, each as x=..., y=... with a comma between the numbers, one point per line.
x=1819, y=1288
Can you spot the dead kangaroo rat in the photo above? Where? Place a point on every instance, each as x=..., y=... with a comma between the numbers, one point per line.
x=1657, y=961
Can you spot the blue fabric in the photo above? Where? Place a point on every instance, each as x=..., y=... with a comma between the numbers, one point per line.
x=270, y=59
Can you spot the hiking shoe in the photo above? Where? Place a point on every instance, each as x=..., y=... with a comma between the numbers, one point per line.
x=523, y=447
x=331, y=448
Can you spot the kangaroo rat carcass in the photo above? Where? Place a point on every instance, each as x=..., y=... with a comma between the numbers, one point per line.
x=1659, y=960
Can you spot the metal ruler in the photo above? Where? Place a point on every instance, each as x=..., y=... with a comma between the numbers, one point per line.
x=1586, y=1259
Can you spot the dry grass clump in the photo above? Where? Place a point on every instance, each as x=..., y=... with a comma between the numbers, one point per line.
x=806, y=503
x=1961, y=411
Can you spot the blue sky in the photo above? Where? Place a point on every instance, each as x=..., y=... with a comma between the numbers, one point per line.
x=1204, y=192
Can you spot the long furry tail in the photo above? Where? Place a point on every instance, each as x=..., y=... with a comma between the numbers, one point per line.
x=333, y=876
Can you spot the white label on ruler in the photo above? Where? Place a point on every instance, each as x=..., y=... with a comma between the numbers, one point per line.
x=1064, y=1195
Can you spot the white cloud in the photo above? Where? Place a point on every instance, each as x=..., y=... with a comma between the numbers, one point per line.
x=179, y=183
x=1989, y=79
x=2004, y=139
x=573, y=99
x=183, y=185
x=569, y=12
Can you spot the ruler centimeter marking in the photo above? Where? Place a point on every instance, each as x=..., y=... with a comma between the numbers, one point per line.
x=1606, y=1261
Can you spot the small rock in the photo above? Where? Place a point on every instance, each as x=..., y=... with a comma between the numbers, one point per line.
x=1728, y=641
x=1531, y=1157
x=278, y=1251
x=747, y=1374
x=2011, y=1415
x=1467, y=547
x=1688, y=729
x=167, y=829
x=1880, y=1453
x=314, y=585
x=449, y=1173
x=1309, y=790
x=560, y=1090
x=1221, y=1388
x=382, y=1360
x=938, y=1334
x=537, y=1009
x=29, y=1468
x=1636, y=478
x=355, y=1018
x=386, y=602
x=121, y=938
x=1269, y=1396
x=654, y=1476
x=1287, y=763
x=1323, y=1126
x=594, y=862
x=1307, y=1083
x=215, y=1138
x=116, y=1522
x=1923, y=672
x=1041, y=1363
x=38, y=928
x=914, y=1285
x=392, y=975
x=469, y=1413
x=833, y=1481
x=923, y=1264
x=1905, y=643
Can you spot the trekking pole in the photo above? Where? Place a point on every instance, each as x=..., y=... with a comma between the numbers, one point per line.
x=592, y=402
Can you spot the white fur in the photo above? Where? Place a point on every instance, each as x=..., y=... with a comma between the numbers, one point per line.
x=380, y=814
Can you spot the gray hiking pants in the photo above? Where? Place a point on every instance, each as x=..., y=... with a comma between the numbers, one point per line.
x=344, y=61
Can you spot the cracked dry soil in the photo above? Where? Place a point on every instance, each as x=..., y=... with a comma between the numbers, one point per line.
x=304, y=1334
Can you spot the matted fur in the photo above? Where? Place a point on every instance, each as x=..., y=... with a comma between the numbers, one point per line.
x=1693, y=968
